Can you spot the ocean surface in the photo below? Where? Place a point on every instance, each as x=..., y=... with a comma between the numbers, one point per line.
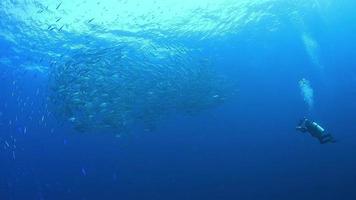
x=176, y=99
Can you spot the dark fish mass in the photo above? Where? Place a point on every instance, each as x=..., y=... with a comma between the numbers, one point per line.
x=118, y=87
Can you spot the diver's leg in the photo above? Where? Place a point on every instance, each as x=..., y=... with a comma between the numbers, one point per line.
x=323, y=141
x=329, y=139
x=327, y=136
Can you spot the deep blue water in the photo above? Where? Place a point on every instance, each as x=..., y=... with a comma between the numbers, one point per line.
x=244, y=148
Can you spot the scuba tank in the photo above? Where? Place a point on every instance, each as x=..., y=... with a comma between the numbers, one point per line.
x=318, y=127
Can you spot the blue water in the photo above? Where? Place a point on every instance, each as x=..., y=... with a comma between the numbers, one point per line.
x=243, y=148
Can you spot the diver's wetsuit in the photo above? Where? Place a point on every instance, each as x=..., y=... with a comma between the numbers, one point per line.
x=315, y=130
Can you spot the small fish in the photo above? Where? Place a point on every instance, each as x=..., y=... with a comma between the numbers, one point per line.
x=72, y=119
x=91, y=20
x=61, y=28
x=84, y=172
x=59, y=5
x=102, y=105
x=58, y=19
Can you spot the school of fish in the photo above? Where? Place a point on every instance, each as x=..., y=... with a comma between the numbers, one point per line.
x=123, y=85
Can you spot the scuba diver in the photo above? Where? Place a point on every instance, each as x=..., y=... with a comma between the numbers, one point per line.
x=315, y=130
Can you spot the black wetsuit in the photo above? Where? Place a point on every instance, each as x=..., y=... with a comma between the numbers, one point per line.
x=315, y=130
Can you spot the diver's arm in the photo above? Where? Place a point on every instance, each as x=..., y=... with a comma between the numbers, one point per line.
x=301, y=122
x=301, y=129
